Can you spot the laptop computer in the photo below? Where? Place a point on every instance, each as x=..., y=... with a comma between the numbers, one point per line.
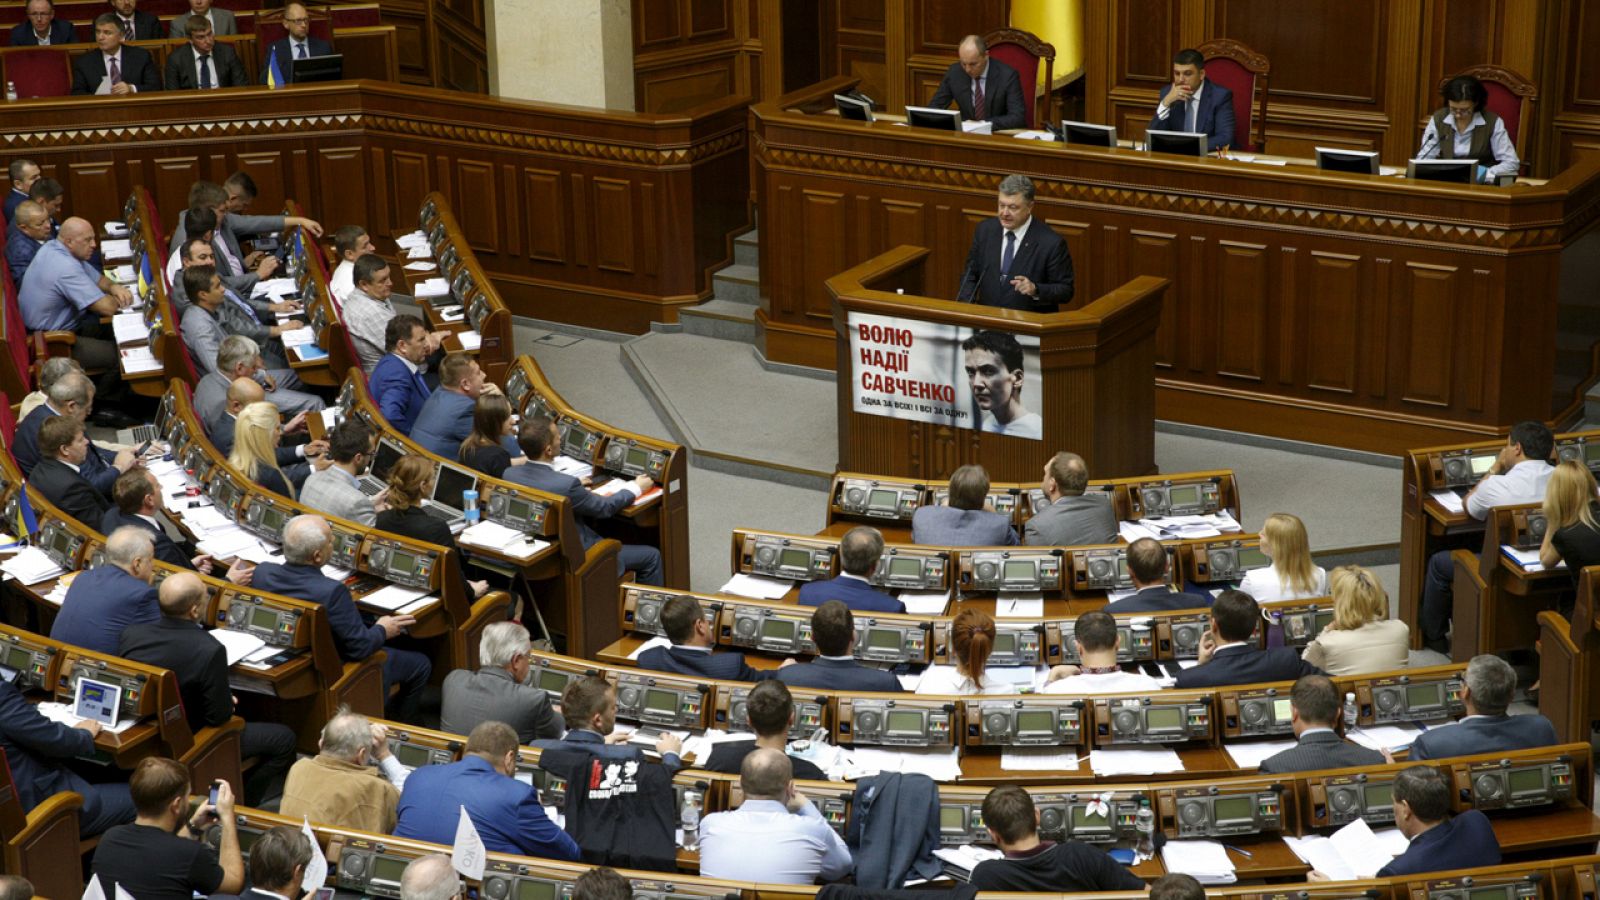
x=448, y=502
x=377, y=477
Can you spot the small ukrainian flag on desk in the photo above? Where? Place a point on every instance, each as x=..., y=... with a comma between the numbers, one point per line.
x=145, y=276
x=274, y=73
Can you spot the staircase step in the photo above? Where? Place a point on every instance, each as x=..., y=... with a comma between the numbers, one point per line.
x=727, y=320
x=746, y=249
x=740, y=284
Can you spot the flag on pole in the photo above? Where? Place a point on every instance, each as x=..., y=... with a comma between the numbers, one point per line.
x=26, y=523
x=274, y=73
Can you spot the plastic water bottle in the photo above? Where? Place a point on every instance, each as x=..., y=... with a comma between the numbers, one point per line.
x=11, y=91
x=1350, y=711
x=469, y=500
x=1144, y=822
x=689, y=818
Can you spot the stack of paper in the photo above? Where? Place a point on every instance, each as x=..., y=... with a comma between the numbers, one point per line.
x=470, y=340
x=1450, y=500
x=1132, y=531
x=1527, y=559
x=307, y=352
x=700, y=745
x=925, y=603
x=139, y=359
x=976, y=127
x=274, y=287
x=227, y=543
x=413, y=242
x=1031, y=135
x=336, y=573
x=756, y=587
x=433, y=287
x=1250, y=755
x=495, y=536
x=1206, y=861
x=1393, y=738
x=238, y=644
x=392, y=597
x=31, y=566
x=303, y=335
x=1193, y=526
x=960, y=861
x=1151, y=761
x=938, y=764
x=420, y=266
x=1354, y=851
x=1039, y=759
x=118, y=248
x=116, y=229
x=130, y=328
x=566, y=465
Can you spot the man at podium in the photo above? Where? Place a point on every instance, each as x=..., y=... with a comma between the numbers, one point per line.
x=1017, y=262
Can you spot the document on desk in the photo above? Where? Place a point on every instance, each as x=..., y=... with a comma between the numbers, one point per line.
x=274, y=287
x=336, y=573
x=1143, y=761
x=420, y=266
x=978, y=127
x=756, y=587
x=392, y=597
x=433, y=287
x=1024, y=605
x=494, y=536
x=566, y=465
x=1527, y=559
x=937, y=763
x=139, y=359
x=237, y=643
x=297, y=336
x=123, y=274
x=1040, y=759
x=1450, y=500
x=308, y=352
x=1393, y=738
x=960, y=861
x=1207, y=861
x=116, y=229
x=1034, y=135
x=1354, y=851
x=1248, y=755
x=470, y=340
x=1013, y=679
x=120, y=248
x=925, y=603
x=1131, y=531
x=31, y=566
x=130, y=328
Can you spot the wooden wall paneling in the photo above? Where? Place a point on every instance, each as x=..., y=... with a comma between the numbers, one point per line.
x=1376, y=320
x=170, y=187
x=271, y=172
x=544, y=210
x=677, y=87
x=380, y=219
x=825, y=212
x=1332, y=340
x=98, y=180
x=1485, y=331
x=409, y=184
x=1082, y=247
x=903, y=222
x=615, y=217
x=341, y=196
x=1291, y=364
x=418, y=38
x=658, y=22
x=1156, y=253
x=475, y=186
x=1242, y=309
x=510, y=222
x=1198, y=319
x=1434, y=333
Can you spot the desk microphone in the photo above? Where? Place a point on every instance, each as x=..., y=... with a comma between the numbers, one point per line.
x=977, y=286
x=1423, y=153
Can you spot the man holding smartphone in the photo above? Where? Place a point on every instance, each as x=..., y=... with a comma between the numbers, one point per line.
x=157, y=858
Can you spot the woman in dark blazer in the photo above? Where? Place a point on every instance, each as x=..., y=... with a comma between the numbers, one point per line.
x=485, y=449
x=410, y=480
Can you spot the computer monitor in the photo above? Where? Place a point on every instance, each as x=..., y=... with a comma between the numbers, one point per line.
x=452, y=483
x=852, y=108
x=388, y=454
x=1182, y=143
x=318, y=68
x=1361, y=162
x=928, y=117
x=1455, y=171
x=1089, y=134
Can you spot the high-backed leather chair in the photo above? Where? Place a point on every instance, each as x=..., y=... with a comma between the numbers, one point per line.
x=1022, y=50
x=1512, y=97
x=1244, y=72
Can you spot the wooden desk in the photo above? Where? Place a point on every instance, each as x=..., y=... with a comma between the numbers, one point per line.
x=1357, y=310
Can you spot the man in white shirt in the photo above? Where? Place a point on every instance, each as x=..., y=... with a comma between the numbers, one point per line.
x=351, y=242
x=1097, y=672
x=1519, y=475
x=776, y=836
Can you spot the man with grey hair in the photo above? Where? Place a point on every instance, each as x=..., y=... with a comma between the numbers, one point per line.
x=54, y=369
x=984, y=89
x=1486, y=693
x=240, y=357
x=430, y=877
x=307, y=547
x=71, y=395
x=338, y=787
x=500, y=690
x=776, y=835
x=104, y=600
x=859, y=552
x=1016, y=261
x=1071, y=516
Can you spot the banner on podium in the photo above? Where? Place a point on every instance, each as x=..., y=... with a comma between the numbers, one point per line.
x=945, y=374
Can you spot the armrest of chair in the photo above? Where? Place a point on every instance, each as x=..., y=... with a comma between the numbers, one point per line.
x=360, y=687
x=217, y=754
x=53, y=343
x=486, y=610
x=41, y=851
x=1466, y=605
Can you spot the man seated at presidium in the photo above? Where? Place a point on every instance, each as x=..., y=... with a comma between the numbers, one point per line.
x=993, y=362
x=1017, y=262
x=203, y=63
x=984, y=89
x=297, y=44
x=860, y=551
x=41, y=28
x=123, y=69
x=1193, y=104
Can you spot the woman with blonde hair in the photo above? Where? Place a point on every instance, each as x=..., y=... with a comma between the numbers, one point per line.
x=972, y=635
x=1292, y=575
x=485, y=449
x=1361, y=638
x=256, y=433
x=411, y=480
x=1572, y=519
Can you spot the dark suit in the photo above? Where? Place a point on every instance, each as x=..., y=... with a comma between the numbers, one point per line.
x=25, y=450
x=101, y=602
x=444, y=421
x=167, y=550
x=506, y=812
x=489, y=694
x=398, y=391
x=315, y=46
x=702, y=664
x=146, y=27
x=839, y=675
x=1320, y=750
x=1246, y=665
x=69, y=491
x=1158, y=599
x=1484, y=734
x=138, y=69
x=36, y=749
x=356, y=638
x=853, y=592
x=182, y=75
x=222, y=22
x=1465, y=841
x=14, y=199
x=1215, y=118
x=588, y=506
x=60, y=33
x=20, y=251
x=412, y=522
x=728, y=757
x=1002, y=95
x=946, y=526
x=1041, y=257
x=201, y=666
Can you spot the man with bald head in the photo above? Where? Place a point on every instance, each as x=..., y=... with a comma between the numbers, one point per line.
x=307, y=547
x=106, y=599
x=178, y=641
x=984, y=89
x=23, y=172
x=30, y=230
x=71, y=395
x=295, y=447
x=298, y=44
x=63, y=292
x=776, y=835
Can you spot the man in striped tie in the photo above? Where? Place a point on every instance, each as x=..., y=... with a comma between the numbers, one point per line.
x=984, y=89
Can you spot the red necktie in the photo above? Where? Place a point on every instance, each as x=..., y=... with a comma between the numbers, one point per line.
x=980, y=109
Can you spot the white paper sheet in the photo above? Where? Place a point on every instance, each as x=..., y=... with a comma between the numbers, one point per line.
x=1207, y=861
x=495, y=536
x=297, y=336
x=31, y=566
x=1361, y=849
x=433, y=287
x=470, y=340
x=119, y=248
x=566, y=465
x=1380, y=737
x=653, y=642
x=925, y=603
x=1022, y=606
x=1141, y=761
x=756, y=587
x=1450, y=500
x=1040, y=759
x=1249, y=755
x=938, y=764
x=139, y=359
x=967, y=856
x=978, y=127
x=392, y=597
x=420, y=266
x=130, y=328
x=238, y=644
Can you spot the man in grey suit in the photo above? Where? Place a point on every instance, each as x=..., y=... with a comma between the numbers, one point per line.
x=1315, y=711
x=336, y=489
x=239, y=357
x=499, y=690
x=222, y=20
x=232, y=262
x=965, y=520
x=1072, y=517
x=1486, y=692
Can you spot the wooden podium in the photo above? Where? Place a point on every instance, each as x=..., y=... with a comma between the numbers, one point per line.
x=1097, y=364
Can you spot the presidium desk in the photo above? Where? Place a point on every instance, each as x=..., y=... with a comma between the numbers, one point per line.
x=1362, y=311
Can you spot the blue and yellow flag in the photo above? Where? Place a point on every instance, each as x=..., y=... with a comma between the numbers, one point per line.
x=274, y=74
x=26, y=524
x=145, y=275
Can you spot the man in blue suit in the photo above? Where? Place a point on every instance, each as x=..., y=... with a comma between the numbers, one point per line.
x=1193, y=104
x=23, y=172
x=30, y=230
x=298, y=45
x=446, y=418
x=71, y=396
x=1016, y=261
x=111, y=596
x=1486, y=692
x=833, y=629
x=307, y=547
x=1148, y=566
x=690, y=653
x=507, y=813
x=964, y=520
x=541, y=441
x=41, y=28
x=396, y=384
x=1228, y=657
x=1439, y=841
x=38, y=749
x=859, y=552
